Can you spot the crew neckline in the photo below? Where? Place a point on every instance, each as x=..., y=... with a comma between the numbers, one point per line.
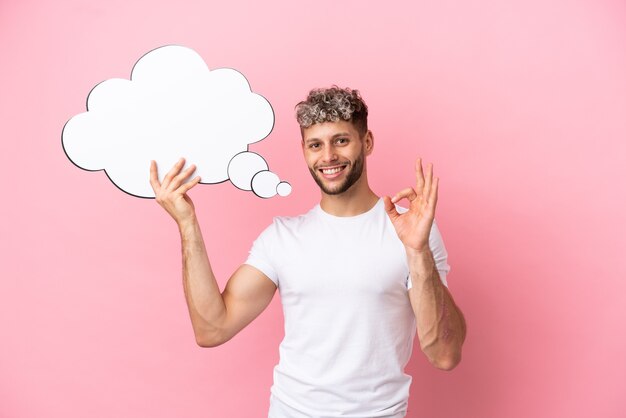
x=335, y=218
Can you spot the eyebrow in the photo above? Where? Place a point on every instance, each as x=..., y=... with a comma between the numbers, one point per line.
x=333, y=137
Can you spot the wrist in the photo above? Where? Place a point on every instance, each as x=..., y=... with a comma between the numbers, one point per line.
x=418, y=253
x=421, y=262
x=187, y=224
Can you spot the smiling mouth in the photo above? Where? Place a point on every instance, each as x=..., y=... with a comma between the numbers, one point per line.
x=332, y=171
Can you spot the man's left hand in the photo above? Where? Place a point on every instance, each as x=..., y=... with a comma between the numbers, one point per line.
x=413, y=227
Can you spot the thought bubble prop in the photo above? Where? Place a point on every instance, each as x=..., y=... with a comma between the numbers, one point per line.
x=173, y=106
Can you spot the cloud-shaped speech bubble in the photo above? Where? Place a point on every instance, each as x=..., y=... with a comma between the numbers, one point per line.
x=173, y=106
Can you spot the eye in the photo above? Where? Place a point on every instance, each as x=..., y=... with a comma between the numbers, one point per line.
x=314, y=145
x=341, y=141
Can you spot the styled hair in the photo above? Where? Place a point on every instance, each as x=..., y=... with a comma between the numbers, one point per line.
x=332, y=105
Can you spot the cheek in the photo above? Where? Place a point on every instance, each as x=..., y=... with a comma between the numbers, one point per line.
x=308, y=158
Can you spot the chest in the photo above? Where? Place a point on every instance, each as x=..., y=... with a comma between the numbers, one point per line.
x=327, y=262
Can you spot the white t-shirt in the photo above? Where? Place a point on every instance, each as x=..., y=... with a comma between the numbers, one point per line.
x=349, y=325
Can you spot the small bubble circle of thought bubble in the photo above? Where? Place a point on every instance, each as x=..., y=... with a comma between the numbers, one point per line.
x=243, y=167
x=264, y=184
x=283, y=189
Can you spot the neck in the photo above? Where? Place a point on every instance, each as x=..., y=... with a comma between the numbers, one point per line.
x=356, y=200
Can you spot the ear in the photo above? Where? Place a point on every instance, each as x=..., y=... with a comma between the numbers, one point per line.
x=368, y=142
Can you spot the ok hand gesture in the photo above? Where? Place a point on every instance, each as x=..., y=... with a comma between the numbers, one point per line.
x=413, y=227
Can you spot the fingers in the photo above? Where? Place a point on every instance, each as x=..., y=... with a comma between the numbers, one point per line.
x=419, y=176
x=173, y=180
x=180, y=178
x=390, y=208
x=432, y=199
x=423, y=183
x=173, y=172
x=428, y=181
x=154, y=178
x=408, y=193
x=187, y=186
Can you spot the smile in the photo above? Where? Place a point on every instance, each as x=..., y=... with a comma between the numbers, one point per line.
x=332, y=171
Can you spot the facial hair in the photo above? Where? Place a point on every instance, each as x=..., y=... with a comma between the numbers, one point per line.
x=354, y=175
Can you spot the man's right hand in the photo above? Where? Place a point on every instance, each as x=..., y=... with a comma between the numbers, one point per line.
x=171, y=194
x=215, y=316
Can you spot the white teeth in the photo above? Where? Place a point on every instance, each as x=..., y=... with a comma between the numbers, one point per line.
x=332, y=170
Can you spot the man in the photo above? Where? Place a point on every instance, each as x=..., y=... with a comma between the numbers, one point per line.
x=357, y=276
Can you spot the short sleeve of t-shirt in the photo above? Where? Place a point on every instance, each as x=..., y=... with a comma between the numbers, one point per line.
x=260, y=255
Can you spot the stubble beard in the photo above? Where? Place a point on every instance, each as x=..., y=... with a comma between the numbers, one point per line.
x=354, y=175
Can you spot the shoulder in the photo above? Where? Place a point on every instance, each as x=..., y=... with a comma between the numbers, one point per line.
x=282, y=225
x=288, y=222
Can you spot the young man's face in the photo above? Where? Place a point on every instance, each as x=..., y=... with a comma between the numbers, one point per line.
x=335, y=154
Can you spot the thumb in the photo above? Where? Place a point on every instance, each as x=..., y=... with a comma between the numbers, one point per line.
x=390, y=208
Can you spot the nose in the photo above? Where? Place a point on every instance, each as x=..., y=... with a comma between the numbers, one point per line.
x=329, y=154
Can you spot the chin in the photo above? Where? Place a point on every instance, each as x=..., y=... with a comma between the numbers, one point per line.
x=334, y=192
x=336, y=189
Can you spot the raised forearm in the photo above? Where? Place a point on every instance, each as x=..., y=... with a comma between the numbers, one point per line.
x=440, y=324
x=204, y=300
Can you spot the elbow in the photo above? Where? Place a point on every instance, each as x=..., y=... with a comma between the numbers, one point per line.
x=443, y=358
x=446, y=354
x=209, y=340
x=447, y=362
x=204, y=343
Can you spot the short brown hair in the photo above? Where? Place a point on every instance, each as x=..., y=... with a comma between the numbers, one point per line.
x=332, y=105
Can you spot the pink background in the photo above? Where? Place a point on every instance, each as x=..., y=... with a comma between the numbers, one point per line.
x=520, y=104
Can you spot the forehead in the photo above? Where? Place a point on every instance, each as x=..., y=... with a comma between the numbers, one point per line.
x=327, y=130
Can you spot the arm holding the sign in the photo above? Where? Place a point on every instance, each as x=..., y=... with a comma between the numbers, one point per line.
x=215, y=316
